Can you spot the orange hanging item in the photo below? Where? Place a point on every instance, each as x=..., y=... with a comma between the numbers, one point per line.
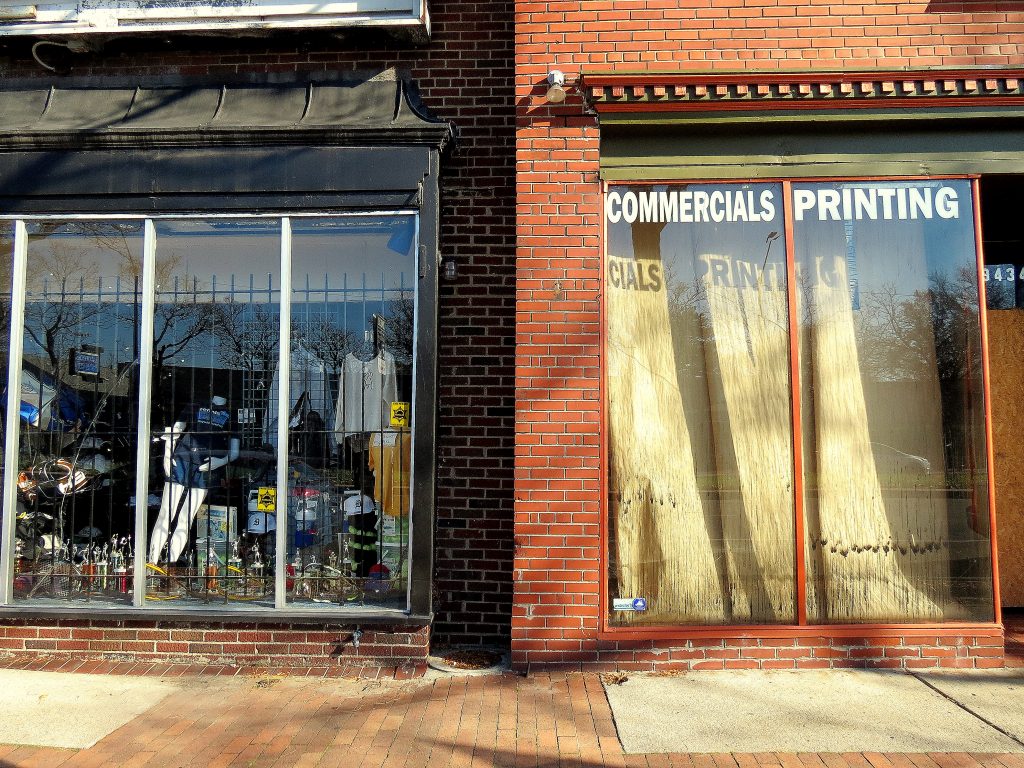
x=391, y=461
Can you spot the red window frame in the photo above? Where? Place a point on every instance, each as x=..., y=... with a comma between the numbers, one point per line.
x=801, y=628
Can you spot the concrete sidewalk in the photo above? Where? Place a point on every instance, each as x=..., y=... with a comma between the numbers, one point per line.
x=471, y=722
x=822, y=711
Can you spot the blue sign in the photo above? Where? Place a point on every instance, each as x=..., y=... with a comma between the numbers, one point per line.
x=639, y=604
x=87, y=363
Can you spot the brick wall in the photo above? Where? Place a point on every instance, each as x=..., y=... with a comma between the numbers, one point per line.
x=464, y=74
x=557, y=481
x=213, y=643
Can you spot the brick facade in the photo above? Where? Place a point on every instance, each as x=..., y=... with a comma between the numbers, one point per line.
x=519, y=331
x=463, y=74
x=556, y=614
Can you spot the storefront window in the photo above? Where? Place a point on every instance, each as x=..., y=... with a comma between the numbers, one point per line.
x=895, y=472
x=699, y=419
x=351, y=390
x=217, y=528
x=79, y=397
x=215, y=350
x=700, y=404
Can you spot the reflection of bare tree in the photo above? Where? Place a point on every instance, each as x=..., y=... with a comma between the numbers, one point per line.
x=400, y=322
x=247, y=336
x=691, y=328
x=326, y=340
x=955, y=319
x=175, y=327
x=956, y=324
x=902, y=335
x=65, y=299
x=896, y=335
x=929, y=335
x=330, y=342
x=176, y=323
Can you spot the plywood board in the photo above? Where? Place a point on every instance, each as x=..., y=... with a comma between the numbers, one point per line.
x=1006, y=359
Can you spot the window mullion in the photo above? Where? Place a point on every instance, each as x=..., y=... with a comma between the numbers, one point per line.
x=795, y=392
x=145, y=407
x=283, y=413
x=17, y=324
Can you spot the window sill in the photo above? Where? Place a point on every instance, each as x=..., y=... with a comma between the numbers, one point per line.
x=339, y=616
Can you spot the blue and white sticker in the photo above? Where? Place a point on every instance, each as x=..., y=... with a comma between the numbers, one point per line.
x=213, y=416
x=629, y=604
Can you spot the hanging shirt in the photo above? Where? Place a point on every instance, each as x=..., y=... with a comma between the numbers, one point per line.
x=391, y=462
x=310, y=390
x=365, y=395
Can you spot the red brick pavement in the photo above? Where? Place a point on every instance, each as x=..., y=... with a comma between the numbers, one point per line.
x=544, y=720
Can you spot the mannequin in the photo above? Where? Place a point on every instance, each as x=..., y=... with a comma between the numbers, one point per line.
x=195, y=447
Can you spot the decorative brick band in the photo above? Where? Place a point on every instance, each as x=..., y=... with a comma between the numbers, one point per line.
x=819, y=90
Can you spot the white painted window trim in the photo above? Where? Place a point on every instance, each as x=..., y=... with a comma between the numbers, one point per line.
x=80, y=17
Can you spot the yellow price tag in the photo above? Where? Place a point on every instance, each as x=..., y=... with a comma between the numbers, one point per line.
x=400, y=414
x=267, y=500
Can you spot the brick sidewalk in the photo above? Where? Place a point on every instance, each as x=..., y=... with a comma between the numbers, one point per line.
x=463, y=722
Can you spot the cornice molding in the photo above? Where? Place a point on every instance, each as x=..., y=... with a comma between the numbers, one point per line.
x=755, y=91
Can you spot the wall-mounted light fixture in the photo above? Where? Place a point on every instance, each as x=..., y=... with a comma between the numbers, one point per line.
x=556, y=87
x=74, y=44
x=451, y=271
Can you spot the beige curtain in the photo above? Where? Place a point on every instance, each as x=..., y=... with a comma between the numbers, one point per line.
x=751, y=344
x=701, y=487
x=663, y=551
x=876, y=545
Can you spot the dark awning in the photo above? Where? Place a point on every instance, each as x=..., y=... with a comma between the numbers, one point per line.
x=382, y=109
x=172, y=144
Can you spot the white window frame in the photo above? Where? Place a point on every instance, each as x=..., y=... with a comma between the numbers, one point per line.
x=82, y=17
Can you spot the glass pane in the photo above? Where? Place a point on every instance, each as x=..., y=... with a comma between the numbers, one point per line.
x=350, y=453
x=215, y=342
x=79, y=400
x=699, y=410
x=6, y=264
x=896, y=495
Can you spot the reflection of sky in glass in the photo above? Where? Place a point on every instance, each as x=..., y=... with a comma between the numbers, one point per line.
x=82, y=280
x=345, y=270
x=218, y=259
x=892, y=253
x=234, y=263
x=352, y=257
x=84, y=259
